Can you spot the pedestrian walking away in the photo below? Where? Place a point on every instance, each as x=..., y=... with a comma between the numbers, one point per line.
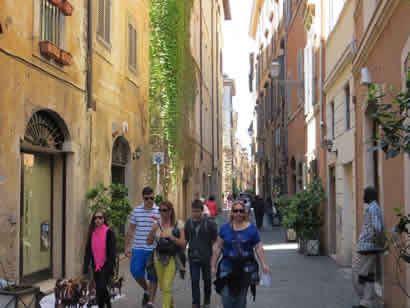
x=269, y=211
x=259, y=209
x=238, y=269
x=370, y=245
x=100, y=251
x=168, y=238
x=200, y=234
x=141, y=220
x=212, y=208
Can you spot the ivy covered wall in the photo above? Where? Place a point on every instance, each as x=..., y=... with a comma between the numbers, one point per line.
x=172, y=84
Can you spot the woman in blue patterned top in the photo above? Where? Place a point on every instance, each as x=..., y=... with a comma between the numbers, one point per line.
x=238, y=269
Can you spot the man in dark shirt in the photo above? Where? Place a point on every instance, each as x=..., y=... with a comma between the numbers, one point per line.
x=200, y=234
x=259, y=209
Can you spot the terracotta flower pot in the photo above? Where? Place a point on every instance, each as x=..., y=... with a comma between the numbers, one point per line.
x=67, y=8
x=49, y=49
x=65, y=58
x=57, y=3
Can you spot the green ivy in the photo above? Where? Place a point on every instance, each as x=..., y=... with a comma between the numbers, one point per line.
x=172, y=79
x=113, y=200
x=392, y=119
x=302, y=211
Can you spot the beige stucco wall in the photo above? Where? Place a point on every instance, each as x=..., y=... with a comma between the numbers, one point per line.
x=344, y=142
x=340, y=38
x=30, y=82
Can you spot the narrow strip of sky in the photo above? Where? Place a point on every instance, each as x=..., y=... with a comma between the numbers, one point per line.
x=237, y=46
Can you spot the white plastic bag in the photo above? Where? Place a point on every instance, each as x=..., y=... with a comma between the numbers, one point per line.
x=266, y=279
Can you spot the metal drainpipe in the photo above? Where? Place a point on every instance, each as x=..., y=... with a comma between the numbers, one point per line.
x=90, y=104
x=287, y=115
x=321, y=90
x=90, y=56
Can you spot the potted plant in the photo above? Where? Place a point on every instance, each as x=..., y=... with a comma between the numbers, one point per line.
x=67, y=8
x=48, y=49
x=65, y=58
x=57, y=3
x=288, y=216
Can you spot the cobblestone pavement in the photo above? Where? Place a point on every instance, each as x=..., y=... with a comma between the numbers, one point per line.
x=298, y=281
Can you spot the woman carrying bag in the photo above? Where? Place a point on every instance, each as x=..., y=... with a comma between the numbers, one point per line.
x=238, y=270
x=169, y=240
x=101, y=253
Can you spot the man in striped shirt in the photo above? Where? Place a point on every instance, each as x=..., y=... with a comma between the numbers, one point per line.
x=141, y=220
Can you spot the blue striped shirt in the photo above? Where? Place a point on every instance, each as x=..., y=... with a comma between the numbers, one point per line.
x=372, y=227
x=143, y=220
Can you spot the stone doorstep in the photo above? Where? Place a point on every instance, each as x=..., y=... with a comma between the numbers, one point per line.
x=46, y=286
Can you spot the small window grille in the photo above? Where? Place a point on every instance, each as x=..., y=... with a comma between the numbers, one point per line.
x=132, y=48
x=52, y=24
x=104, y=21
x=347, y=106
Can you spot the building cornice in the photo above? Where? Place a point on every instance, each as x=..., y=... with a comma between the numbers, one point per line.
x=344, y=60
x=375, y=28
x=257, y=4
x=227, y=10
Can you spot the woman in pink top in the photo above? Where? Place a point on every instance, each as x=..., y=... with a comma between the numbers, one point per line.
x=100, y=252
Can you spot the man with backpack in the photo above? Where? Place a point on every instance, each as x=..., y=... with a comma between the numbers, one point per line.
x=200, y=234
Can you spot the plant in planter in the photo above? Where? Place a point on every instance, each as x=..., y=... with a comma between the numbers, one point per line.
x=287, y=213
x=113, y=199
x=65, y=58
x=302, y=213
x=50, y=50
x=57, y=3
x=67, y=8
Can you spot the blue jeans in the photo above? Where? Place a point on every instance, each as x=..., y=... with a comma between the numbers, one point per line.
x=230, y=301
x=195, y=269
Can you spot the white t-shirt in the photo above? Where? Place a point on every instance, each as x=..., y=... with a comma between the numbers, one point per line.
x=143, y=220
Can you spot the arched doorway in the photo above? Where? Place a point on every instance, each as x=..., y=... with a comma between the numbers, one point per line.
x=42, y=201
x=120, y=171
x=120, y=159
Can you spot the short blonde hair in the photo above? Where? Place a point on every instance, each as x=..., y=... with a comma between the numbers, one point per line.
x=246, y=215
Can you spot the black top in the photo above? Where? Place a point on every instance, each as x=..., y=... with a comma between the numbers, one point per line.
x=111, y=252
x=200, y=239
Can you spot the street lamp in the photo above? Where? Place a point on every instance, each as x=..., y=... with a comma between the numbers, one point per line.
x=329, y=144
x=274, y=69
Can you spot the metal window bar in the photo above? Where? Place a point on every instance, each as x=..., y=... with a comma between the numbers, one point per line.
x=52, y=23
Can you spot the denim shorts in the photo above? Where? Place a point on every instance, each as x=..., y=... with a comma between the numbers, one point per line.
x=138, y=264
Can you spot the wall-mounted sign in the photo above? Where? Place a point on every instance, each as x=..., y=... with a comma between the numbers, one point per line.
x=158, y=158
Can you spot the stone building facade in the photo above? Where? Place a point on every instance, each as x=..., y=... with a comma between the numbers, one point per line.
x=201, y=174
x=73, y=110
x=227, y=135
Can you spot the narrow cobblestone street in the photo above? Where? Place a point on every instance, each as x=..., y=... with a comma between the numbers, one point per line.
x=298, y=281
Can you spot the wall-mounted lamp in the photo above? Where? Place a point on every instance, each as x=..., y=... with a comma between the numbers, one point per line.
x=329, y=144
x=366, y=78
x=274, y=69
x=136, y=154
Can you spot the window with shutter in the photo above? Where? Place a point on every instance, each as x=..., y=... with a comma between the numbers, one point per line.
x=309, y=78
x=300, y=75
x=132, y=48
x=104, y=21
x=52, y=24
x=312, y=77
x=347, y=106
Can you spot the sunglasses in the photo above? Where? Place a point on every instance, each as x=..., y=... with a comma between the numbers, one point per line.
x=238, y=211
x=98, y=217
x=148, y=198
x=164, y=210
